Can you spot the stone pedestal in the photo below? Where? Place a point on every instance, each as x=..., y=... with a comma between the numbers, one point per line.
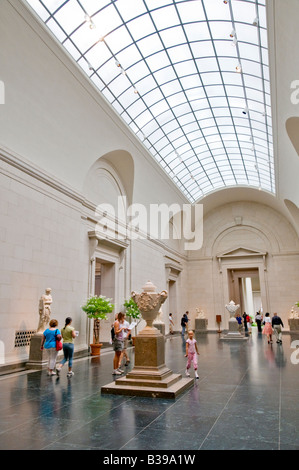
x=233, y=332
x=150, y=376
x=37, y=359
x=201, y=325
x=294, y=324
x=161, y=327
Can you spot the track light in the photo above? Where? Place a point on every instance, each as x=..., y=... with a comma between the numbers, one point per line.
x=225, y=1
x=245, y=110
x=255, y=21
x=239, y=68
x=89, y=20
x=233, y=33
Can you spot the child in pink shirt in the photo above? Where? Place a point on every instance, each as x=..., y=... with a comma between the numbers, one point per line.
x=191, y=352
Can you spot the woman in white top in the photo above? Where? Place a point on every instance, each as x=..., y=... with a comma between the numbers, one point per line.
x=267, y=330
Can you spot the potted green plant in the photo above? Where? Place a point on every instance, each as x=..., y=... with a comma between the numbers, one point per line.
x=97, y=307
x=133, y=312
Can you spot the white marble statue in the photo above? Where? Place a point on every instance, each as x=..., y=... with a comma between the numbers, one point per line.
x=159, y=317
x=232, y=308
x=200, y=313
x=44, y=310
x=294, y=313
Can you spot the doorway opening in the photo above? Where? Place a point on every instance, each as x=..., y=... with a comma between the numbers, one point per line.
x=245, y=290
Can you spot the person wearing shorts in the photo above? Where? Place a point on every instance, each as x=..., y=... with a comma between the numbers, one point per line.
x=118, y=342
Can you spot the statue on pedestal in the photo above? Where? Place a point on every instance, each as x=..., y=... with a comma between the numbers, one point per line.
x=37, y=358
x=44, y=310
x=201, y=322
x=158, y=323
x=294, y=314
x=159, y=317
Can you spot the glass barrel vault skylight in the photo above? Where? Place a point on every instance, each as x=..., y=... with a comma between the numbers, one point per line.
x=189, y=77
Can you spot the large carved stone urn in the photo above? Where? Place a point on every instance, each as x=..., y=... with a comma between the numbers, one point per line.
x=149, y=303
x=150, y=376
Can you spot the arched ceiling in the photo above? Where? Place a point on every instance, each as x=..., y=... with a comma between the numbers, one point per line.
x=189, y=77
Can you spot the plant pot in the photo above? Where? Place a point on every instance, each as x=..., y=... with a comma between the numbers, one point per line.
x=95, y=349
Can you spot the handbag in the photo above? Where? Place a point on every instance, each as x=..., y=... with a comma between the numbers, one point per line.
x=58, y=342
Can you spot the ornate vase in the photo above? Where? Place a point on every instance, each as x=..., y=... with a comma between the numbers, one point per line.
x=149, y=303
x=232, y=308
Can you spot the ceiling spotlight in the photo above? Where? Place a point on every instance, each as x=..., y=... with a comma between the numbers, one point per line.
x=89, y=20
x=233, y=33
x=135, y=91
x=225, y=1
x=245, y=110
x=239, y=68
x=234, y=43
x=255, y=21
x=117, y=63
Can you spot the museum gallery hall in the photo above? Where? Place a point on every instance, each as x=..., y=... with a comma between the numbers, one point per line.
x=149, y=159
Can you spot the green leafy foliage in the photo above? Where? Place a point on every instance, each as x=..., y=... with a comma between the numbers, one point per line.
x=98, y=307
x=132, y=309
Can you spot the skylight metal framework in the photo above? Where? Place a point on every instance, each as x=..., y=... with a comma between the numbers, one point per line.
x=189, y=77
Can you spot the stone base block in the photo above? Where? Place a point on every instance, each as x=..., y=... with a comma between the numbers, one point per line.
x=233, y=332
x=37, y=358
x=233, y=336
x=170, y=387
x=160, y=327
x=201, y=325
x=293, y=324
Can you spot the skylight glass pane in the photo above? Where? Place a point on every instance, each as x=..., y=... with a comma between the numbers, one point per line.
x=185, y=76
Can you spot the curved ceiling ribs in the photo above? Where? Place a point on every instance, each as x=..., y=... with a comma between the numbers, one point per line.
x=189, y=77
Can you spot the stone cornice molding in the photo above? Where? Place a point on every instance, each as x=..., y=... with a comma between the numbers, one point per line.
x=17, y=162
x=37, y=173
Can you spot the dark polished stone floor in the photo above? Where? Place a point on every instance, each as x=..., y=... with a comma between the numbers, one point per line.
x=246, y=398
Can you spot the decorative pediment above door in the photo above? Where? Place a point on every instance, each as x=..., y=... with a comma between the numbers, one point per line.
x=241, y=252
x=96, y=238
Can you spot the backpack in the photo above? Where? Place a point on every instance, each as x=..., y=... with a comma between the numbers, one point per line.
x=112, y=333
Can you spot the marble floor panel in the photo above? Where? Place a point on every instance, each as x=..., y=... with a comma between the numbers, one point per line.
x=246, y=398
